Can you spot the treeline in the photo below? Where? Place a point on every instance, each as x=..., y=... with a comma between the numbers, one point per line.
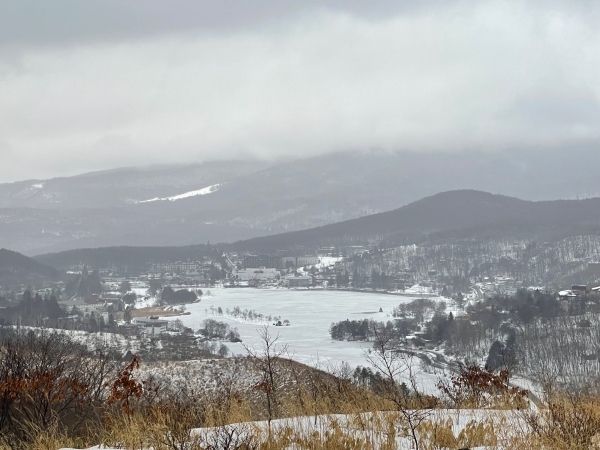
x=31, y=309
x=135, y=258
x=84, y=284
x=460, y=262
x=368, y=378
x=248, y=315
x=421, y=315
x=177, y=297
x=359, y=279
x=438, y=330
x=213, y=329
x=353, y=330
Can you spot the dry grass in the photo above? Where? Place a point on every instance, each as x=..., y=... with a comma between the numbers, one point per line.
x=228, y=424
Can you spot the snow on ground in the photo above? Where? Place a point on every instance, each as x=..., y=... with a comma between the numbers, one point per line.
x=369, y=427
x=417, y=289
x=365, y=427
x=91, y=340
x=327, y=261
x=203, y=191
x=144, y=299
x=310, y=312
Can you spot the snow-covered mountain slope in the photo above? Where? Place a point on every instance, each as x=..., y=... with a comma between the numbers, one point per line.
x=204, y=191
x=235, y=200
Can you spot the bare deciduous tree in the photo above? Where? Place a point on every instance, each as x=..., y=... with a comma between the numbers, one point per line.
x=267, y=361
x=395, y=364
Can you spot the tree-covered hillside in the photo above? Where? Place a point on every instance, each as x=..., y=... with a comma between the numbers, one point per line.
x=16, y=269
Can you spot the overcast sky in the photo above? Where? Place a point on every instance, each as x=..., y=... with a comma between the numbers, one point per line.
x=89, y=85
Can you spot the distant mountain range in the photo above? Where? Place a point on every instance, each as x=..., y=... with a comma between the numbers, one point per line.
x=443, y=218
x=237, y=200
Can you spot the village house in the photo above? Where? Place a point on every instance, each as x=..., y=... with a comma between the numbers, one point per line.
x=297, y=281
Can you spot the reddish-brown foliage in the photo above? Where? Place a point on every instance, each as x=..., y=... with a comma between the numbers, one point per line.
x=475, y=385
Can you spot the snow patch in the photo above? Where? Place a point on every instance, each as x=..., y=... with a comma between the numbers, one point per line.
x=417, y=289
x=204, y=191
x=328, y=261
x=37, y=186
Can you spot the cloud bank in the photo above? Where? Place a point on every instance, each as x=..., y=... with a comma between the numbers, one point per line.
x=132, y=83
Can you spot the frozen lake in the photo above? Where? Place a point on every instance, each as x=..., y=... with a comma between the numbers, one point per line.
x=310, y=313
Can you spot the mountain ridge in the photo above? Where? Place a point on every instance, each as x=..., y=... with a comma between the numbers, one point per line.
x=451, y=211
x=459, y=214
x=16, y=268
x=259, y=198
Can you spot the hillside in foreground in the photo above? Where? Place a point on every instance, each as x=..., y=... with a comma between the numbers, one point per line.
x=92, y=398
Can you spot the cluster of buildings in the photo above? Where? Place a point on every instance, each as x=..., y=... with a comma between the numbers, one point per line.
x=255, y=270
x=100, y=306
x=278, y=262
x=268, y=275
x=491, y=286
x=110, y=305
x=282, y=262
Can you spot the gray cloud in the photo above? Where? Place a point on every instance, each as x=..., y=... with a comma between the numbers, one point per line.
x=63, y=21
x=94, y=85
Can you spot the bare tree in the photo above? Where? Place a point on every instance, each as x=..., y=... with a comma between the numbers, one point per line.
x=268, y=363
x=395, y=364
x=49, y=380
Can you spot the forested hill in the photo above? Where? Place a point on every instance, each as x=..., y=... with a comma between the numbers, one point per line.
x=455, y=213
x=16, y=268
x=131, y=257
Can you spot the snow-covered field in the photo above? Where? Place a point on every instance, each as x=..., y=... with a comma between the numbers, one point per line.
x=310, y=313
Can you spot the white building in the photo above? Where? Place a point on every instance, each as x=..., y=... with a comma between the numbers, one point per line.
x=178, y=267
x=152, y=325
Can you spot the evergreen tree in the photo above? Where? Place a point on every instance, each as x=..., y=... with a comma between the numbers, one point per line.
x=124, y=286
x=356, y=279
x=495, y=356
